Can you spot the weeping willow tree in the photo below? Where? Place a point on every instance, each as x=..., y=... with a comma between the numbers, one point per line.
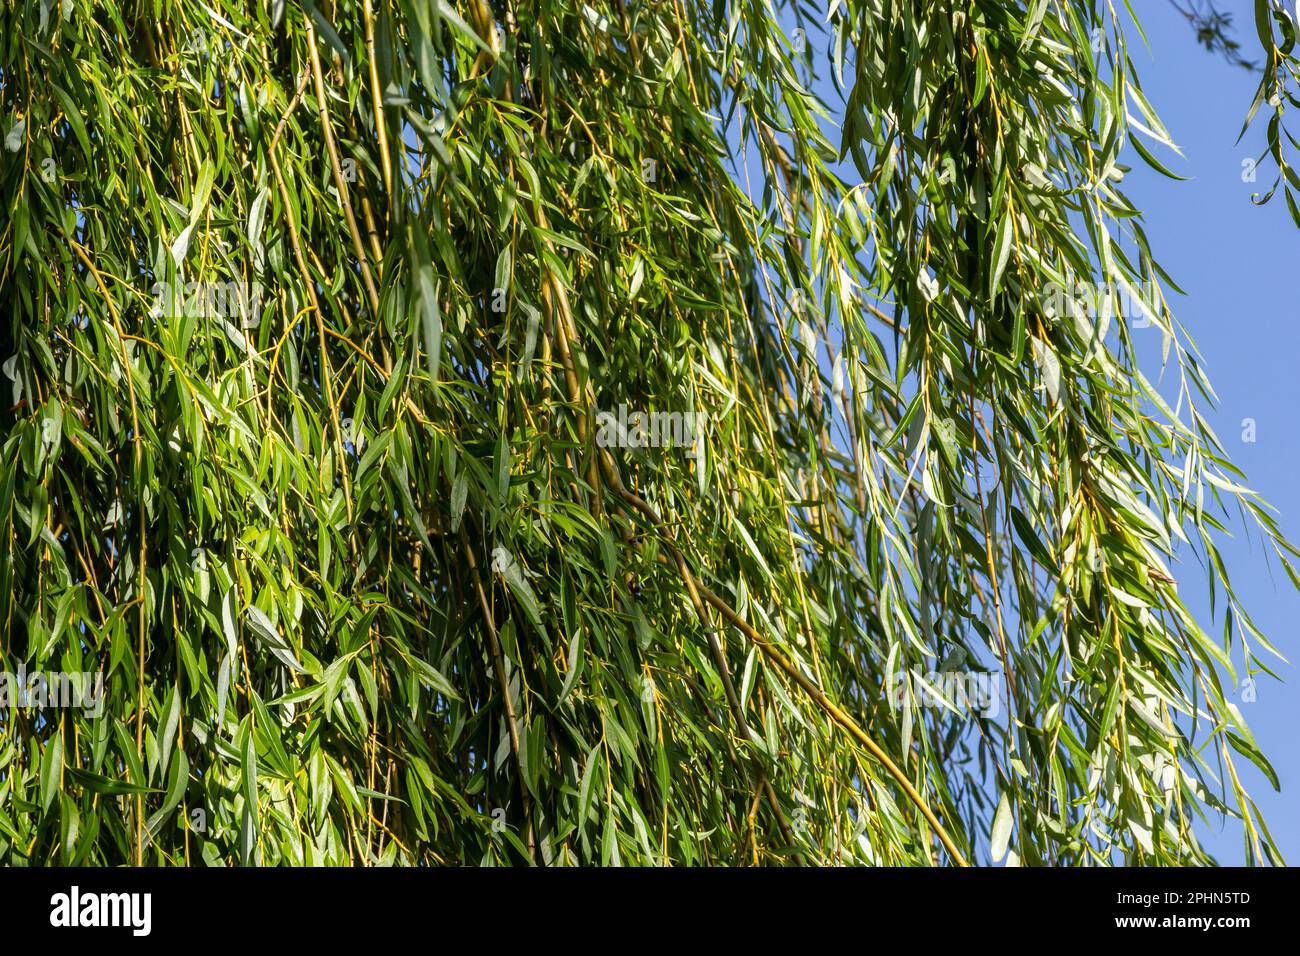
x=595, y=432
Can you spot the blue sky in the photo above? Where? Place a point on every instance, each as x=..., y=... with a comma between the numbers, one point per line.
x=1238, y=264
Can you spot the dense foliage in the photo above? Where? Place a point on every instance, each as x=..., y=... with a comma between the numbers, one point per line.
x=313, y=313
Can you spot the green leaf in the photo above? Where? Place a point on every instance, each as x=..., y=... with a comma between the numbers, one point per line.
x=431, y=317
x=1001, y=253
x=1002, y=825
x=1252, y=753
x=51, y=770
x=1029, y=537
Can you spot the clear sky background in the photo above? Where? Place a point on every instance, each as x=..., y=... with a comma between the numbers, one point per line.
x=1238, y=264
